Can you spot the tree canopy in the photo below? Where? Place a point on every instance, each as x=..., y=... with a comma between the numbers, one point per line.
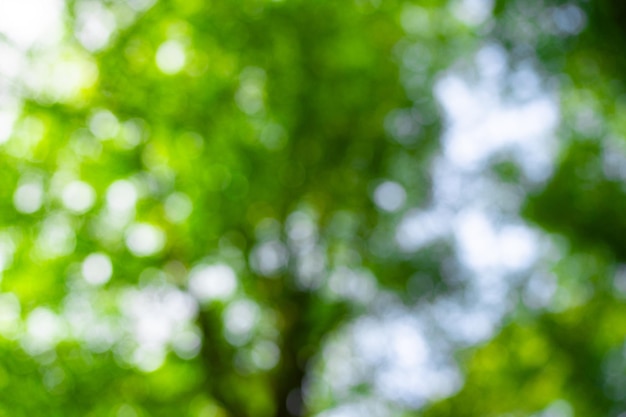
x=312, y=207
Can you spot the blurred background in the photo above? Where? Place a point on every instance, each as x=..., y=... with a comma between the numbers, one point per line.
x=312, y=208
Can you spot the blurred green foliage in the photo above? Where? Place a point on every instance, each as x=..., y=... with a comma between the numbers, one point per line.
x=210, y=140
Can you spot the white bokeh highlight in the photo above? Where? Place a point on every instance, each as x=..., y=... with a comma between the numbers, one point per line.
x=212, y=282
x=28, y=197
x=97, y=269
x=144, y=239
x=78, y=197
x=171, y=57
x=28, y=23
x=389, y=196
x=121, y=196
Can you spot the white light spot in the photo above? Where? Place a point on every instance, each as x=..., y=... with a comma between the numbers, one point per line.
x=416, y=20
x=476, y=239
x=240, y=318
x=250, y=95
x=104, y=125
x=121, y=196
x=159, y=316
x=540, y=290
x=517, y=247
x=403, y=125
x=78, y=196
x=569, y=19
x=212, y=282
x=43, y=330
x=265, y=355
x=481, y=124
x=29, y=22
x=418, y=229
x=491, y=61
x=472, y=12
x=482, y=246
x=273, y=136
x=144, y=239
x=186, y=344
x=94, y=25
x=97, y=269
x=170, y=57
x=141, y=5
x=311, y=264
x=28, y=197
x=57, y=237
x=301, y=228
x=269, y=258
x=178, y=207
x=12, y=61
x=148, y=359
x=60, y=75
x=132, y=133
x=7, y=120
x=357, y=285
x=406, y=363
x=389, y=196
x=466, y=325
